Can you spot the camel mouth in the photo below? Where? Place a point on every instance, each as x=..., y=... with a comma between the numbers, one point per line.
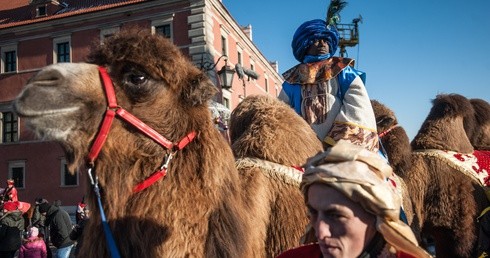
x=28, y=113
x=51, y=124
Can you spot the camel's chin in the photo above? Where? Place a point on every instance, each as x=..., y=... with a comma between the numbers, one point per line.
x=50, y=128
x=51, y=134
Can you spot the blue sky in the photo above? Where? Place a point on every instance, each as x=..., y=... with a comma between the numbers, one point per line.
x=410, y=50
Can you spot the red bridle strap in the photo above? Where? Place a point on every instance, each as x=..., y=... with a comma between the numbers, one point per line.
x=108, y=88
x=144, y=128
x=112, y=110
x=101, y=136
x=108, y=118
x=150, y=180
x=382, y=134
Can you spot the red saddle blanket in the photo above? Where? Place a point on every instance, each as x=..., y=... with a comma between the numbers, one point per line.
x=475, y=165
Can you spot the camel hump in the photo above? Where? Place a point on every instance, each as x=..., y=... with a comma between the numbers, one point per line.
x=445, y=126
x=482, y=110
x=479, y=131
x=451, y=105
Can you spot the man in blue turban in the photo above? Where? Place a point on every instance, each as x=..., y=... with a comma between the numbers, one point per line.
x=326, y=91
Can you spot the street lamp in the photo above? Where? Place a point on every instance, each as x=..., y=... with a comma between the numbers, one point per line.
x=225, y=74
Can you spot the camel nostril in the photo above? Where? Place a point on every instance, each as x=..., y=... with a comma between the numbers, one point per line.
x=48, y=77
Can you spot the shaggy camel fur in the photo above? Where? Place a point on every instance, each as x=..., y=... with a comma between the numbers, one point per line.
x=201, y=208
x=446, y=201
x=260, y=123
x=268, y=138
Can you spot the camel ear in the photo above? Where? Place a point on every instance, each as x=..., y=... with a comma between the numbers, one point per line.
x=199, y=90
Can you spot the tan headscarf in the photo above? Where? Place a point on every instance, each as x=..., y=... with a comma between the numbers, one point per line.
x=362, y=175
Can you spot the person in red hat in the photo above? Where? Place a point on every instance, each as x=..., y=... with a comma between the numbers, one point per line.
x=11, y=226
x=10, y=194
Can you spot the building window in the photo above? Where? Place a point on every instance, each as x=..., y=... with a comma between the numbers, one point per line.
x=41, y=11
x=224, y=45
x=9, y=59
x=68, y=179
x=266, y=82
x=61, y=50
x=240, y=58
x=17, y=173
x=226, y=103
x=164, y=30
x=9, y=127
x=163, y=26
x=252, y=68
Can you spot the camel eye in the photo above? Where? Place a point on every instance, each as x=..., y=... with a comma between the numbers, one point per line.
x=137, y=79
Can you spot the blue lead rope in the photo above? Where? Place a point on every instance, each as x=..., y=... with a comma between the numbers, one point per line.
x=114, y=252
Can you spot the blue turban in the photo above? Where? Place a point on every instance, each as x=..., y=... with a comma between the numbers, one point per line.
x=309, y=32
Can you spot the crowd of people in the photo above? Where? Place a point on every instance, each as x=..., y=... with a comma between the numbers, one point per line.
x=42, y=230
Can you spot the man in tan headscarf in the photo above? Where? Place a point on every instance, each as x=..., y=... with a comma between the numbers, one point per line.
x=354, y=210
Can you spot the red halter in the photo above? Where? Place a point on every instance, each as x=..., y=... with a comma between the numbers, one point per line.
x=383, y=134
x=112, y=110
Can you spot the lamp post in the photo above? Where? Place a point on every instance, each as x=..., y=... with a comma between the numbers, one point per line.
x=225, y=74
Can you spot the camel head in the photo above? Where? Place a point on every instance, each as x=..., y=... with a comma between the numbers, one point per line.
x=385, y=118
x=152, y=80
x=393, y=138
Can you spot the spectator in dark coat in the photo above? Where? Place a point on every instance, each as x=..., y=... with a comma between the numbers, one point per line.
x=11, y=227
x=60, y=227
x=37, y=219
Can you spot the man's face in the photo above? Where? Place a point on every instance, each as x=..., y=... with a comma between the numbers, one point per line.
x=318, y=47
x=342, y=227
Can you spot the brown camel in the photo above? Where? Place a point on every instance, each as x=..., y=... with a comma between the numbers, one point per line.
x=202, y=207
x=446, y=200
x=268, y=139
